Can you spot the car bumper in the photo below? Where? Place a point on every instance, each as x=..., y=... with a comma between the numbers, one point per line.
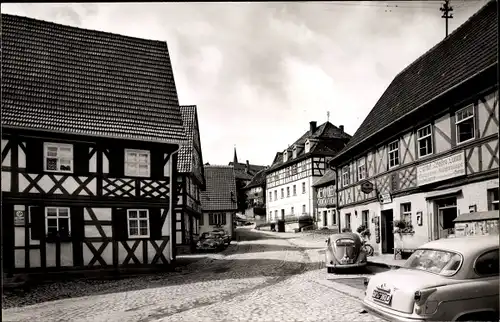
x=346, y=266
x=388, y=315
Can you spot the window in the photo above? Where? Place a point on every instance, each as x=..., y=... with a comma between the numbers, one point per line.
x=303, y=187
x=487, y=263
x=137, y=163
x=294, y=152
x=285, y=156
x=288, y=191
x=57, y=220
x=217, y=219
x=307, y=147
x=424, y=137
x=361, y=169
x=303, y=209
x=282, y=193
x=294, y=190
x=364, y=218
x=270, y=196
x=270, y=215
x=393, y=154
x=275, y=214
x=406, y=212
x=465, y=124
x=58, y=157
x=440, y=262
x=493, y=199
x=320, y=193
x=346, y=176
x=275, y=194
x=348, y=221
x=138, y=223
x=292, y=211
x=334, y=217
x=202, y=220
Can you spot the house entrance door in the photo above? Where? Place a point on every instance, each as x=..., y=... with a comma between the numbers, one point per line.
x=387, y=231
x=446, y=213
x=325, y=219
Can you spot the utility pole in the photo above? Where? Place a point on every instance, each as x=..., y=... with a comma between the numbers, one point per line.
x=446, y=8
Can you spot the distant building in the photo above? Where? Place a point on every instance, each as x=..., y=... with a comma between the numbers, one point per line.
x=190, y=182
x=255, y=192
x=244, y=172
x=218, y=200
x=428, y=150
x=289, y=180
x=326, y=200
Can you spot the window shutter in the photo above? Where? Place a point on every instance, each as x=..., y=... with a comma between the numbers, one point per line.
x=155, y=226
x=37, y=221
x=34, y=156
x=117, y=162
x=81, y=159
x=119, y=221
x=77, y=223
x=157, y=164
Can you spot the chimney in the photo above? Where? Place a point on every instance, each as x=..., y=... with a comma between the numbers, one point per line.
x=312, y=127
x=341, y=127
x=247, y=167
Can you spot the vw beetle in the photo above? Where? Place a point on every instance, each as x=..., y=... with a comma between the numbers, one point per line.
x=343, y=252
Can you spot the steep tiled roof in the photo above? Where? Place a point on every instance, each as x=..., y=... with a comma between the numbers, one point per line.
x=185, y=158
x=470, y=49
x=326, y=140
x=258, y=180
x=328, y=177
x=220, y=183
x=65, y=79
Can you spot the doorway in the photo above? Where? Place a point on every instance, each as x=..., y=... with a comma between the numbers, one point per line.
x=325, y=219
x=386, y=231
x=446, y=213
x=282, y=214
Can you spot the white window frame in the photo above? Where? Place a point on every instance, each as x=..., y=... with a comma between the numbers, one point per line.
x=361, y=169
x=288, y=192
x=282, y=193
x=405, y=212
x=425, y=137
x=58, y=146
x=270, y=196
x=307, y=146
x=130, y=173
x=491, y=200
x=294, y=190
x=393, y=152
x=346, y=176
x=57, y=217
x=129, y=211
x=294, y=152
x=457, y=123
x=275, y=194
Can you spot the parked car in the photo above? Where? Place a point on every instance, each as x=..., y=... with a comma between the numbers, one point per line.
x=344, y=251
x=454, y=279
x=210, y=241
x=225, y=236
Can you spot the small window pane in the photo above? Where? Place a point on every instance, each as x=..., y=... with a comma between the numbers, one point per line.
x=134, y=231
x=133, y=223
x=51, y=230
x=64, y=224
x=51, y=211
x=132, y=214
x=144, y=231
x=51, y=223
x=143, y=214
x=51, y=164
x=51, y=151
x=143, y=158
x=143, y=223
x=63, y=212
x=65, y=152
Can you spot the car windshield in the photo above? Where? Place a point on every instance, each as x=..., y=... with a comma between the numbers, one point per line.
x=435, y=261
x=344, y=242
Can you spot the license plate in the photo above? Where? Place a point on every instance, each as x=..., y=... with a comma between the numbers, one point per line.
x=381, y=297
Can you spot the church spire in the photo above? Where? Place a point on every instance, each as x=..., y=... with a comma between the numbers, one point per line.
x=235, y=158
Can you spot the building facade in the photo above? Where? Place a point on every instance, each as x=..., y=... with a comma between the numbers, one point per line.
x=422, y=157
x=290, y=179
x=218, y=200
x=190, y=183
x=86, y=174
x=255, y=193
x=326, y=200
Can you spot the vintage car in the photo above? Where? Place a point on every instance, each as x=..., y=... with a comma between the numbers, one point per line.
x=454, y=279
x=344, y=251
x=210, y=241
x=225, y=236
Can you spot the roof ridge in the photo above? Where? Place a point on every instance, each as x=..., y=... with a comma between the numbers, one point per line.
x=86, y=29
x=218, y=166
x=443, y=40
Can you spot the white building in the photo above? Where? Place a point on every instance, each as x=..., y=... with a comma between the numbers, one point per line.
x=289, y=180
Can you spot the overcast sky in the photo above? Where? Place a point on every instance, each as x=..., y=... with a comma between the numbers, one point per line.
x=259, y=72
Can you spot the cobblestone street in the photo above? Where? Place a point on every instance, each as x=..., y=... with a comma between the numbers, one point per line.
x=262, y=277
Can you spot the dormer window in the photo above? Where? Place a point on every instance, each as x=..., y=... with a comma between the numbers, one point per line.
x=285, y=156
x=294, y=152
x=307, y=147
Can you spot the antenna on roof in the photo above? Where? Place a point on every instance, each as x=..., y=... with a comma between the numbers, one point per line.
x=328, y=116
x=445, y=9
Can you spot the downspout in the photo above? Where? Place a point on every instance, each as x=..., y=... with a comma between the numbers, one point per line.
x=173, y=216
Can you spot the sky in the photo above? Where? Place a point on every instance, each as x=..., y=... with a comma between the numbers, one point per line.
x=260, y=72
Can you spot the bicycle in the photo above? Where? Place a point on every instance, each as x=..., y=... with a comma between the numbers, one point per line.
x=367, y=248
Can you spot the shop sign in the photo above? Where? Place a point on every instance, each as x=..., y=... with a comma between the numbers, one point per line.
x=366, y=187
x=385, y=198
x=19, y=218
x=441, y=169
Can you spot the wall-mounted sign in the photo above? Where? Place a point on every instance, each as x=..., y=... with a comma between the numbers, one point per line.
x=419, y=218
x=326, y=202
x=385, y=198
x=472, y=208
x=441, y=169
x=366, y=187
x=19, y=218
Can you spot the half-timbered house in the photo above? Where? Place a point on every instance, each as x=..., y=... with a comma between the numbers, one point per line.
x=255, y=194
x=326, y=200
x=219, y=200
x=428, y=150
x=289, y=180
x=190, y=183
x=91, y=127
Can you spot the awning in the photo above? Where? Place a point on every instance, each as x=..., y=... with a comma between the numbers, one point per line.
x=478, y=216
x=440, y=193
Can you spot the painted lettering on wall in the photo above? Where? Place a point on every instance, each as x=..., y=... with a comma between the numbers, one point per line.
x=442, y=169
